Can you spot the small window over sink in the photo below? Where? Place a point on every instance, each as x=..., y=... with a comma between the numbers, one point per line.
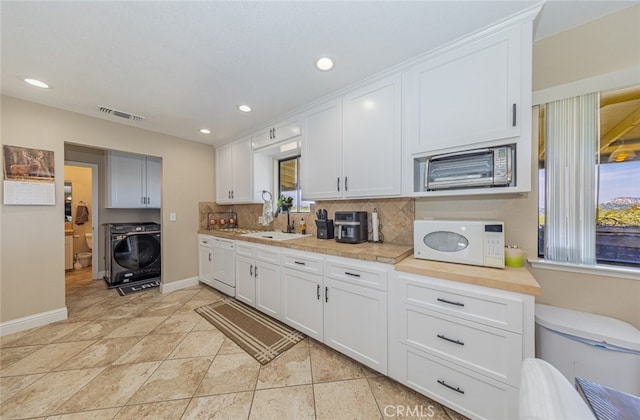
x=289, y=184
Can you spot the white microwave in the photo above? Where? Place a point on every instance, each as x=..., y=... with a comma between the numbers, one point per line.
x=473, y=242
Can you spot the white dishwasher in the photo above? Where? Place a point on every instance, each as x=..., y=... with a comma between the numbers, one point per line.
x=217, y=260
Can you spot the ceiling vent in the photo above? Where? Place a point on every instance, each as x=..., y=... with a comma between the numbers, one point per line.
x=120, y=114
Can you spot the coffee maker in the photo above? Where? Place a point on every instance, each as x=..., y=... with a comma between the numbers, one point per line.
x=351, y=226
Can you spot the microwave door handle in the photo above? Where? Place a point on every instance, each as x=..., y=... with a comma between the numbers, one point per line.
x=466, y=152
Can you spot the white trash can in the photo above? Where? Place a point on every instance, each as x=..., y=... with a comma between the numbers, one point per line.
x=593, y=347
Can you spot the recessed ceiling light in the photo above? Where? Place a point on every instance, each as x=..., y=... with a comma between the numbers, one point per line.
x=324, y=64
x=205, y=131
x=36, y=83
x=244, y=108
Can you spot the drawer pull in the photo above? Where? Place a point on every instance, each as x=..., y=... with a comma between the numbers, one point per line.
x=318, y=291
x=326, y=294
x=300, y=263
x=450, y=302
x=451, y=340
x=351, y=274
x=443, y=383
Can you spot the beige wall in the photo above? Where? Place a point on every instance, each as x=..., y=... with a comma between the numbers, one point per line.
x=31, y=233
x=607, y=45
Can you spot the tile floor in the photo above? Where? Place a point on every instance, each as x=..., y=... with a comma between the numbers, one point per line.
x=150, y=355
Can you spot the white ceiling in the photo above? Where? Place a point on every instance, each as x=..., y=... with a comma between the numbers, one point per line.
x=186, y=65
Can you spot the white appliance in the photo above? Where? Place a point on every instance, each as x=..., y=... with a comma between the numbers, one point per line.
x=473, y=242
x=220, y=258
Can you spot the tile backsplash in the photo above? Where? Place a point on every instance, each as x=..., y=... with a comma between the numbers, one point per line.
x=395, y=216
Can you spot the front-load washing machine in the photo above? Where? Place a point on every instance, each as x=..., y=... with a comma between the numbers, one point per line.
x=133, y=252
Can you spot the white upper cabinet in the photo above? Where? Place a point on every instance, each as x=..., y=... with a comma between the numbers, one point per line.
x=276, y=133
x=372, y=141
x=352, y=145
x=235, y=174
x=133, y=180
x=468, y=95
x=322, y=151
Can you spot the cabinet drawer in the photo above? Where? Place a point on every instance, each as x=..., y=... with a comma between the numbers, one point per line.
x=466, y=392
x=487, y=306
x=244, y=249
x=302, y=261
x=205, y=240
x=490, y=351
x=359, y=274
x=268, y=254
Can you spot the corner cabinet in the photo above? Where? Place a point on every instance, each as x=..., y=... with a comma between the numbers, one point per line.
x=460, y=344
x=351, y=147
x=134, y=181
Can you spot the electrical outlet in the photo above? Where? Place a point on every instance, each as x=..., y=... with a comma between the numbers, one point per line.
x=172, y=217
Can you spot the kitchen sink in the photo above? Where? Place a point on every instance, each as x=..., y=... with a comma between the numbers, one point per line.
x=275, y=236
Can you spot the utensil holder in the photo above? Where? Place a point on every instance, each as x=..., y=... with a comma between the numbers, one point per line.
x=325, y=229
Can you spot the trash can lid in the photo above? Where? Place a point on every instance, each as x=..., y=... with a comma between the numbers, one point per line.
x=591, y=326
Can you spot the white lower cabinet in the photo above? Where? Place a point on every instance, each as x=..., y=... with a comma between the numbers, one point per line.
x=460, y=344
x=258, y=277
x=205, y=260
x=303, y=292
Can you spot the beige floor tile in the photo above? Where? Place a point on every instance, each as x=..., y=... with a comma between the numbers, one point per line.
x=194, y=303
x=93, y=330
x=101, y=353
x=161, y=410
x=49, y=334
x=454, y=415
x=46, y=394
x=292, y=367
x=183, y=295
x=14, y=384
x=178, y=323
x=329, y=365
x=9, y=340
x=397, y=401
x=10, y=355
x=294, y=403
x=345, y=400
x=104, y=414
x=46, y=359
x=199, y=344
x=120, y=312
x=220, y=407
x=204, y=325
x=162, y=308
x=229, y=347
x=136, y=326
x=174, y=379
x=230, y=373
x=111, y=388
x=151, y=348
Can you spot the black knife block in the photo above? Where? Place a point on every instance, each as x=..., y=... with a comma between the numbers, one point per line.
x=325, y=229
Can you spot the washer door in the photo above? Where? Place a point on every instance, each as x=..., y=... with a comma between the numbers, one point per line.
x=136, y=251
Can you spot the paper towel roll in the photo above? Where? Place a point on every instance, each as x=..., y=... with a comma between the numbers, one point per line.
x=374, y=225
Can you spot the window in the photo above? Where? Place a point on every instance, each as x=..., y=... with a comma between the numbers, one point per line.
x=289, y=184
x=589, y=167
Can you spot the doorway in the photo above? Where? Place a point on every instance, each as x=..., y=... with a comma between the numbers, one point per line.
x=83, y=185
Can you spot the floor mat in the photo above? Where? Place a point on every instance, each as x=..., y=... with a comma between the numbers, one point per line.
x=138, y=286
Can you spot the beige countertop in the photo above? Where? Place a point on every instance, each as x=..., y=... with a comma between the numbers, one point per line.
x=68, y=232
x=512, y=279
x=383, y=253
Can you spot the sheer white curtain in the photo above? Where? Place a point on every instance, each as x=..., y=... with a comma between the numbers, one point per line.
x=572, y=147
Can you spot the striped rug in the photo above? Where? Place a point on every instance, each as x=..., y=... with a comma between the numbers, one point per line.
x=261, y=336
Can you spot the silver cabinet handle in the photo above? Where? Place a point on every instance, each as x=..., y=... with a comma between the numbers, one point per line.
x=300, y=262
x=209, y=257
x=351, y=274
x=513, y=118
x=326, y=294
x=251, y=270
x=346, y=183
x=318, y=292
x=450, y=302
x=255, y=272
x=338, y=184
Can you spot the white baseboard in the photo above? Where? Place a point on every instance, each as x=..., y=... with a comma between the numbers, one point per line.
x=177, y=285
x=100, y=275
x=32, y=321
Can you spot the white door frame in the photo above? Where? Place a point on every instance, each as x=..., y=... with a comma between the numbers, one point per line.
x=94, y=208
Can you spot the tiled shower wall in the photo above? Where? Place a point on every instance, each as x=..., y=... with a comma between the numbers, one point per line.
x=395, y=215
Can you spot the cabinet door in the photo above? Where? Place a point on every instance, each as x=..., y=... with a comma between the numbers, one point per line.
x=126, y=180
x=153, y=182
x=468, y=95
x=268, y=288
x=245, y=280
x=302, y=302
x=68, y=252
x=205, y=261
x=276, y=133
x=355, y=323
x=242, y=169
x=224, y=181
x=321, y=165
x=372, y=141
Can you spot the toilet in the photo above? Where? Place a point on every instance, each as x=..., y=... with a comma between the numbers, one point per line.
x=85, y=257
